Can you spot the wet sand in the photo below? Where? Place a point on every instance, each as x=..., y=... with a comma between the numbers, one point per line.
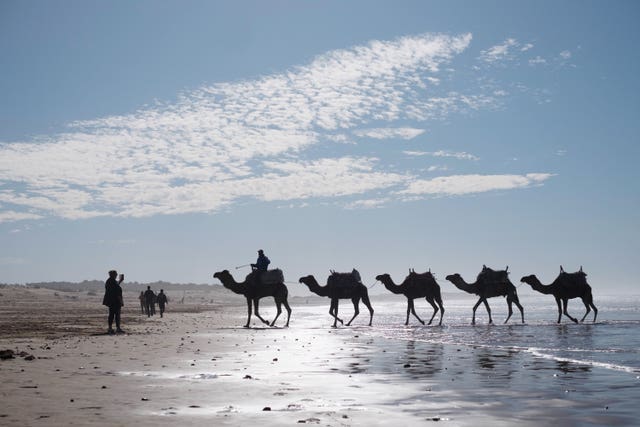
x=200, y=367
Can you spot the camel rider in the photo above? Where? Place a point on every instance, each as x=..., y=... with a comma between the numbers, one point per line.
x=262, y=262
x=260, y=267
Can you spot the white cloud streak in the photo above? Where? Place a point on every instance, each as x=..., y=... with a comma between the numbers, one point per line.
x=457, y=185
x=500, y=51
x=228, y=141
x=442, y=153
x=385, y=133
x=537, y=61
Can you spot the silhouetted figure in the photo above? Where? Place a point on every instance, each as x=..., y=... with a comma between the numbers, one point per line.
x=162, y=300
x=416, y=285
x=565, y=287
x=341, y=286
x=262, y=263
x=149, y=296
x=278, y=291
x=153, y=304
x=141, y=297
x=113, y=300
x=490, y=283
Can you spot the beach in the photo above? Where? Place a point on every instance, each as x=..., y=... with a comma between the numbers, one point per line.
x=199, y=366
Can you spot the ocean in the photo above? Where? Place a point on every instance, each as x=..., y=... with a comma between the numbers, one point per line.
x=536, y=373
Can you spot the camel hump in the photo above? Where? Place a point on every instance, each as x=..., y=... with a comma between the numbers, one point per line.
x=272, y=277
x=578, y=278
x=342, y=279
x=496, y=276
x=418, y=276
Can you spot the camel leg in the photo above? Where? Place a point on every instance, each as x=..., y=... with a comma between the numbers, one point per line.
x=435, y=309
x=565, y=303
x=486, y=305
x=509, y=306
x=333, y=311
x=413, y=311
x=409, y=301
x=256, y=302
x=286, y=307
x=439, y=301
x=475, y=307
x=356, y=309
x=365, y=300
x=514, y=299
x=279, y=310
x=559, y=309
x=248, y=313
x=588, y=301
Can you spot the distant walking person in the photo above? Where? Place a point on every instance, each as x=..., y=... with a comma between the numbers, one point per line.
x=141, y=302
x=262, y=262
x=153, y=304
x=162, y=300
x=149, y=298
x=113, y=300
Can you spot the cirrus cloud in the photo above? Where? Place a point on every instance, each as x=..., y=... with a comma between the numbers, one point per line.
x=248, y=139
x=456, y=185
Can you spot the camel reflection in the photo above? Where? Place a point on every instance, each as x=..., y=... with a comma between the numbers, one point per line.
x=423, y=360
x=501, y=363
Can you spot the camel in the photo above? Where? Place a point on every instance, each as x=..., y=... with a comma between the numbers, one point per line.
x=489, y=283
x=335, y=290
x=416, y=286
x=565, y=287
x=253, y=293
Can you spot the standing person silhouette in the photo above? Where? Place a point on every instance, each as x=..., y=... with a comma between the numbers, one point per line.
x=113, y=300
x=149, y=298
x=162, y=300
x=141, y=297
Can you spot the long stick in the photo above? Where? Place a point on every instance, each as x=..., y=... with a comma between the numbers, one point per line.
x=242, y=266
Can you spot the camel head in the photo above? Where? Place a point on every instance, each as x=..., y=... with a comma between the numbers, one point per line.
x=455, y=277
x=225, y=277
x=529, y=279
x=222, y=275
x=383, y=277
x=308, y=280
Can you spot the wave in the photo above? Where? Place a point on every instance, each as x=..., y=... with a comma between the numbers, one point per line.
x=593, y=363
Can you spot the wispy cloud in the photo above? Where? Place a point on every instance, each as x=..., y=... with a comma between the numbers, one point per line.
x=384, y=133
x=537, y=61
x=457, y=185
x=229, y=141
x=10, y=216
x=367, y=204
x=461, y=155
x=500, y=51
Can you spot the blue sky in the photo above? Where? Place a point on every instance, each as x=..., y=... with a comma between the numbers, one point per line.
x=170, y=140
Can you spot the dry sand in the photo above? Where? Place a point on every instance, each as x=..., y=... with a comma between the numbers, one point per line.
x=195, y=366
